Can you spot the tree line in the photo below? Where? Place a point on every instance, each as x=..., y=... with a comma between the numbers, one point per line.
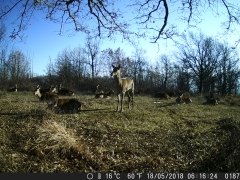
x=200, y=65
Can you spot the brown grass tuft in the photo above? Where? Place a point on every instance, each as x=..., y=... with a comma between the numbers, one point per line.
x=53, y=136
x=55, y=140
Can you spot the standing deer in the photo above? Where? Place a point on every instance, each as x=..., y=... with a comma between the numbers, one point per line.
x=123, y=86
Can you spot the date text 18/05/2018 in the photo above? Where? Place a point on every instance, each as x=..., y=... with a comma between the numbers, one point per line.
x=167, y=176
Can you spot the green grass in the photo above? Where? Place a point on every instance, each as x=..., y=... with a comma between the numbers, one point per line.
x=153, y=137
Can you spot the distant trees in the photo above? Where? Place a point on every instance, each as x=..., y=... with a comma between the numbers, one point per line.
x=211, y=64
x=3, y=67
x=64, y=68
x=139, y=68
x=116, y=57
x=200, y=55
x=14, y=69
x=77, y=68
x=228, y=72
x=92, y=51
x=14, y=65
x=183, y=79
x=165, y=67
x=3, y=56
x=18, y=66
x=201, y=65
x=68, y=68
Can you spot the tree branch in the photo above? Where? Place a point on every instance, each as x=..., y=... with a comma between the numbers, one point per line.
x=165, y=21
x=152, y=15
x=15, y=33
x=231, y=17
x=10, y=9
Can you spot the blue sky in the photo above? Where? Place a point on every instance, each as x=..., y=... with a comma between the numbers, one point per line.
x=42, y=42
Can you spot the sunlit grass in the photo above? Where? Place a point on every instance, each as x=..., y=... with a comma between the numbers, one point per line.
x=157, y=135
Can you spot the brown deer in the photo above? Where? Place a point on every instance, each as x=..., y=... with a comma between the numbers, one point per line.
x=123, y=86
x=184, y=99
x=212, y=99
x=62, y=91
x=68, y=105
x=62, y=105
x=42, y=93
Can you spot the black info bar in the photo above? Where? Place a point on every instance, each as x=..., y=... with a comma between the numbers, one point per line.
x=123, y=176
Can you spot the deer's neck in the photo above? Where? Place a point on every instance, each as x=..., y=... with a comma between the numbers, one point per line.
x=118, y=80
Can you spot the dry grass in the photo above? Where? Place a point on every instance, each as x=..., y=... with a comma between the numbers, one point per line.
x=152, y=137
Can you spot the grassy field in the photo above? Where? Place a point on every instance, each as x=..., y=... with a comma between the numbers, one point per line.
x=155, y=136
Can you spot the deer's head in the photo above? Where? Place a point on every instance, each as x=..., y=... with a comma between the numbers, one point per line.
x=116, y=70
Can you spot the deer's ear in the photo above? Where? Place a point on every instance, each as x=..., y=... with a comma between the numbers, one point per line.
x=119, y=66
x=113, y=66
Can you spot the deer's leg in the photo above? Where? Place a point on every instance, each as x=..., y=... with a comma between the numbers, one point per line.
x=132, y=94
x=129, y=99
x=122, y=99
x=119, y=96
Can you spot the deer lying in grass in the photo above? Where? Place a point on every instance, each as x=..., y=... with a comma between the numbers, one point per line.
x=12, y=89
x=99, y=93
x=62, y=91
x=108, y=94
x=68, y=105
x=123, y=86
x=62, y=105
x=183, y=99
x=162, y=95
x=212, y=99
x=42, y=93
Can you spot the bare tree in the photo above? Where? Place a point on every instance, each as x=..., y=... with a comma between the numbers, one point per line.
x=200, y=55
x=165, y=70
x=18, y=66
x=92, y=51
x=2, y=32
x=3, y=55
x=152, y=17
x=116, y=57
x=127, y=63
x=64, y=68
x=139, y=68
x=213, y=66
x=155, y=15
x=228, y=72
x=79, y=59
x=3, y=67
x=183, y=79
